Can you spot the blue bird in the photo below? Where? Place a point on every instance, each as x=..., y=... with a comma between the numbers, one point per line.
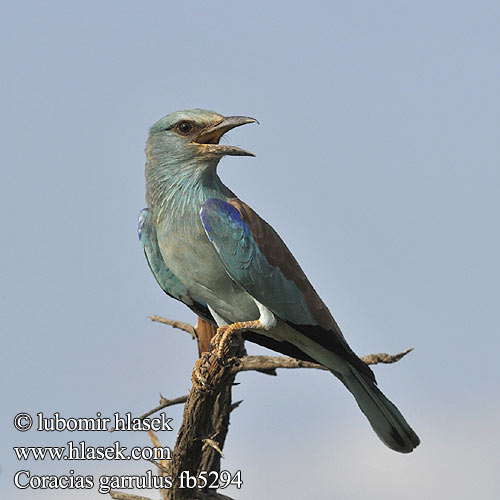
x=212, y=252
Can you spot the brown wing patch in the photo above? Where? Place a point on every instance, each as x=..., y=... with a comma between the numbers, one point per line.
x=327, y=332
x=278, y=255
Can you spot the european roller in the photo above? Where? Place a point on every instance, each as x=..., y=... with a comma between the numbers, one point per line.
x=211, y=251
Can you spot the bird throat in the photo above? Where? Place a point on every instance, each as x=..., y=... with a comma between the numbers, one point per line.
x=179, y=191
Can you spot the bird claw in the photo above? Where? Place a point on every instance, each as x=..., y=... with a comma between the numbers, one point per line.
x=221, y=361
x=234, y=361
x=202, y=387
x=198, y=377
x=228, y=362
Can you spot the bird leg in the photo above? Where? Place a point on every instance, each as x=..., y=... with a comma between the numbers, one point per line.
x=208, y=365
x=225, y=332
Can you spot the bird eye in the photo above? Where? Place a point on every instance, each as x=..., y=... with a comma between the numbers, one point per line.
x=185, y=127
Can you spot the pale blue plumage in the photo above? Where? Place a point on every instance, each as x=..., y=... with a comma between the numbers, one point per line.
x=211, y=251
x=165, y=278
x=168, y=282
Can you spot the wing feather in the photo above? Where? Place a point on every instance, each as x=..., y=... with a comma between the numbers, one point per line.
x=257, y=258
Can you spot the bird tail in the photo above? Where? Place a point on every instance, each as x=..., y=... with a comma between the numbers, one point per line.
x=385, y=419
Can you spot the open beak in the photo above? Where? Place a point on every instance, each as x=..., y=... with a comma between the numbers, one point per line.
x=211, y=136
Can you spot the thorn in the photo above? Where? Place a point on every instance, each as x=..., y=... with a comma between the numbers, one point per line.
x=212, y=444
x=235, y=405
x=271, y=372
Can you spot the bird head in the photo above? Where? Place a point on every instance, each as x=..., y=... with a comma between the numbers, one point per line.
x=195, y=134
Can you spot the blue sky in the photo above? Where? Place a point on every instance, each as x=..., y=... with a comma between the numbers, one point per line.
x=377, y=162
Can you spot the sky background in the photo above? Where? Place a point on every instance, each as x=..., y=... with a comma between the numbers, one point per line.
x=378, y=163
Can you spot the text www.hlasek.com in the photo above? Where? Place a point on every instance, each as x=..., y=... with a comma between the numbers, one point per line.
x=25, y=479
x=84, y=452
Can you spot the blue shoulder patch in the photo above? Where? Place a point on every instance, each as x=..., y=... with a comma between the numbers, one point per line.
x=214, y=209
x=248, y=266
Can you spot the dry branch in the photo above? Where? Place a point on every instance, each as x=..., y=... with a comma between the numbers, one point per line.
x=205, y=423
x=162, y=466
x=180, y=325
x=263, y=363
x=196, y=495
x=118, y=495
x=164, y=403
x=259, y=363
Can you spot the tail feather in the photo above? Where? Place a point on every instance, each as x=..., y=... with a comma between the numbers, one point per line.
x=385, y=419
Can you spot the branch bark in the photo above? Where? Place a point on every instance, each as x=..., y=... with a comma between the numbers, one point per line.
x=260, y=363
x=118, y=495
x=205, y=419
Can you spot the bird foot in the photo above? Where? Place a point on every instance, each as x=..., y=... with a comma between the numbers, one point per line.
x=224, y=334
x=204, y=369
x=200, y=373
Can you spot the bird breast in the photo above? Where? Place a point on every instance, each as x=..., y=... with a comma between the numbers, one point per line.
x=192, y=258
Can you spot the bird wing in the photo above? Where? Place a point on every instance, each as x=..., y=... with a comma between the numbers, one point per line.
x=167, y=280
x=257, y=258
